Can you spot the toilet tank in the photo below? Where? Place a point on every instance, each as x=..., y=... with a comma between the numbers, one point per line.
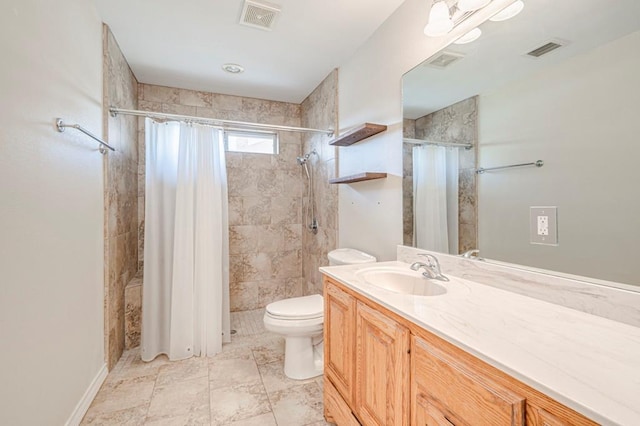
x=348, y=256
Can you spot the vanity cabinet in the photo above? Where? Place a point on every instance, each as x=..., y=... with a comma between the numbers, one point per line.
x=382, y=369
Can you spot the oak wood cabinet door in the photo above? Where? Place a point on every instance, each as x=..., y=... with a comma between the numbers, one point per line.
x=460, y=389
x=382, y=372
x=340, y=339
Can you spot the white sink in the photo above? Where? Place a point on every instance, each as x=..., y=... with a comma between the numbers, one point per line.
x=400, y=280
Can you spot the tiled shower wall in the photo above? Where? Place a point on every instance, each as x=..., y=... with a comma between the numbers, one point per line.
x=455, y=123
x=408, y=131
x=265, y=230
x=120, y=183
x=320, y=111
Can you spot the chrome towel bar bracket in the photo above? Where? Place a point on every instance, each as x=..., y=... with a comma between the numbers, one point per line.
x=61, y=126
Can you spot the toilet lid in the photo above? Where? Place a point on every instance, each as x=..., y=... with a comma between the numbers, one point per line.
x=297, y=307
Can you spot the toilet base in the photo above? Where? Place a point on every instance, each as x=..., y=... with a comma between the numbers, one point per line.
x=302, y=360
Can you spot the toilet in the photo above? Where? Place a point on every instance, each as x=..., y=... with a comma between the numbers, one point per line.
x=347, y=256
x=300, y=320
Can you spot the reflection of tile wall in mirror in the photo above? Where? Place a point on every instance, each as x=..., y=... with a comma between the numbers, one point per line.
x=454, y=124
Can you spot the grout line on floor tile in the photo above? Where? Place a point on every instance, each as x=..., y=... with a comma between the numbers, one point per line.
x=275, y=419
x=153, y=391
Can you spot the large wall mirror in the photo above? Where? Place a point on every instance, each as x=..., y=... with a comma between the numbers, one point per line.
x=573, y=103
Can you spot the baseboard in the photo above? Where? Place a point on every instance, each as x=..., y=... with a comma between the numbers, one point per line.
x=87, y=398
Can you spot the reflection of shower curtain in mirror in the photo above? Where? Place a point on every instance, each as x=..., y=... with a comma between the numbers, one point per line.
x=435, y=198
x=185, y=303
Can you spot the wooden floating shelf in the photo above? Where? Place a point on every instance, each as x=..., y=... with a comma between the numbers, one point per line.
x=359, y=177
x=358, y=134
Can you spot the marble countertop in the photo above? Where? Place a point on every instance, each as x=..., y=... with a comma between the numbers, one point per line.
x=588, y=363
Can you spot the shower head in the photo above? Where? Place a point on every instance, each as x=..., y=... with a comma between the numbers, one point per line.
x=303, y=160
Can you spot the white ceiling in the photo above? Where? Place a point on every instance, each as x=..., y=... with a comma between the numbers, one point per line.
x=499, y=55
x=184, y=43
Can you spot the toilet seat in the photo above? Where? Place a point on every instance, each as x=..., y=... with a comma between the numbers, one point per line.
x=297, y=308
x=293, y=327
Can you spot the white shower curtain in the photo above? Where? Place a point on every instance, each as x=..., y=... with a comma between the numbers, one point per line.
x=435, y=198
x=185, y=302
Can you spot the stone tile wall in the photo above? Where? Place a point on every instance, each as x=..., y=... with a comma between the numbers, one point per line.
x=455, y=123
x=408, y=131
x=320, y=111
x=120, y=180
x=133, y=312
x=265, y=191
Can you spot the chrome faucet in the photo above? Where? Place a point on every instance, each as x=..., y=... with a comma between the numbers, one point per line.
x=431, y=267
x=472, y=254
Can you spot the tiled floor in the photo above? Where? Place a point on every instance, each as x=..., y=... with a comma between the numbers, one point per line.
x=242, y=386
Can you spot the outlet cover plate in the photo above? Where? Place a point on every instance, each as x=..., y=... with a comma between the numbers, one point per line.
x=548, y=216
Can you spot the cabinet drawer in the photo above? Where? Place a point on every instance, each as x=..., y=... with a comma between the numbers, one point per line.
x=460, y=390
x=335, y=409
x=537, y=416
x=428, y=414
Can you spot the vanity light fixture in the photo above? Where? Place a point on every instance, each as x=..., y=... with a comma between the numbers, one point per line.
x=508, y=12
x=471, y=5
x=472, y=35
x=440, y=22
x=233, y=68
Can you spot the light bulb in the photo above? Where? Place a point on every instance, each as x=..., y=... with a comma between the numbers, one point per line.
x=471, y=5
x=508, y=12
x=472, y=35
x=440, y=21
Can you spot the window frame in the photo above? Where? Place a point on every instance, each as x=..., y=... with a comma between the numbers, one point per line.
x=253, y=133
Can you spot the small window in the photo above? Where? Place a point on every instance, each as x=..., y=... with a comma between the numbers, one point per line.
x=248, y=141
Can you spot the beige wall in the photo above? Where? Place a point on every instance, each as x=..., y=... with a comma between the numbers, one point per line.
x=265, y=230
x=120, y=195
x=320, y=111
x=370, y=213
x=580, y=118
x=51, y=210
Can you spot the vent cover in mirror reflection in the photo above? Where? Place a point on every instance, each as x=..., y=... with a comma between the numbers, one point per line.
x=547, y=47
x=443, y=60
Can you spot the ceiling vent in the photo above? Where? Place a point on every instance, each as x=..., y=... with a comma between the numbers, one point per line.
x=547, y=47
x=444, y=59
x=260, y=15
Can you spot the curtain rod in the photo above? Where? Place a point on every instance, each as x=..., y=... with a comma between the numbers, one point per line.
x=223, y=124
x=425, y=142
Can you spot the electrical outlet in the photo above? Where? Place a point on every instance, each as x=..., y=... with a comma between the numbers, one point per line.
x=543, y=225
